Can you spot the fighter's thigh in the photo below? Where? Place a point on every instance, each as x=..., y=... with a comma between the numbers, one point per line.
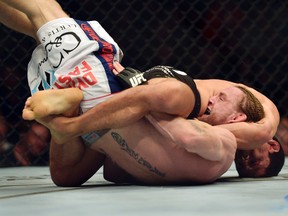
x=33, y=9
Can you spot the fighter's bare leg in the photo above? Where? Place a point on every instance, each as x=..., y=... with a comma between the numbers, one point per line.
x=52, y=102
x=16, y=20
x=38, y=11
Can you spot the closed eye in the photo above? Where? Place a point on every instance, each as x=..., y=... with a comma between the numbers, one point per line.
x=222, y=96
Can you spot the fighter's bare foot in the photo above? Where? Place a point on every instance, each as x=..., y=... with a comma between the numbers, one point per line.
x=52, y=102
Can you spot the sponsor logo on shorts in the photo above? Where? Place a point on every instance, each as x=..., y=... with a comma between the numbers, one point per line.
x=59, y=50
x=106, y=50
x=81, y=77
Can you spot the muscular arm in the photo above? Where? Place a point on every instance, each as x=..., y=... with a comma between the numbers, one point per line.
x=209, y=142
x=131, y=105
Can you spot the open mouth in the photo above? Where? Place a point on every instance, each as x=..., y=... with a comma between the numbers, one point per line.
x=207, y=112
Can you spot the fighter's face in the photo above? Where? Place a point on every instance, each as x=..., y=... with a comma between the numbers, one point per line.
x=252, y=163
x=223, y=107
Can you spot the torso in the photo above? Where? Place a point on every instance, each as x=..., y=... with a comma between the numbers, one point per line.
x=149, y=157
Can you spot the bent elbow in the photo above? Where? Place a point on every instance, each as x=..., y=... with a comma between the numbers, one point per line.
x=268, y=132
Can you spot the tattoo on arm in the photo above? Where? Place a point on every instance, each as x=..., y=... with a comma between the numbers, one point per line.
x=124, y=146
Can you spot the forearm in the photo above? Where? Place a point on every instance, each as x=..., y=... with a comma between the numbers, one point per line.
x=249, y=135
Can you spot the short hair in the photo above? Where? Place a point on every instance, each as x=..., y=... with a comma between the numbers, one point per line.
x=277, y=160
x=251, y=106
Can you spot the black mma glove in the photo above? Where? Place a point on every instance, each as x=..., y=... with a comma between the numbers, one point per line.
x=131, y=77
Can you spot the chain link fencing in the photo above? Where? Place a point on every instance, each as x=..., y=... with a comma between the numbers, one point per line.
x=241, y=41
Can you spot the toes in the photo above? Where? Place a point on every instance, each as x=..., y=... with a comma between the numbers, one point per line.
x=28, y=102
x=28, y=114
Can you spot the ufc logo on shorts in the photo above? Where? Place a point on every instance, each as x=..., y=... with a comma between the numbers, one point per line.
x=137, y=80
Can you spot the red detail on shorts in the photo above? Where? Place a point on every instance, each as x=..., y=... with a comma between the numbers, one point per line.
x=81, y=77
x=106, y=51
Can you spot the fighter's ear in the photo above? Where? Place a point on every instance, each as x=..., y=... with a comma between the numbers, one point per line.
x=238, y=117
x=274, y=146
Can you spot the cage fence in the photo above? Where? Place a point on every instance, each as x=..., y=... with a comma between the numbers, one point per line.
x=242, y=41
